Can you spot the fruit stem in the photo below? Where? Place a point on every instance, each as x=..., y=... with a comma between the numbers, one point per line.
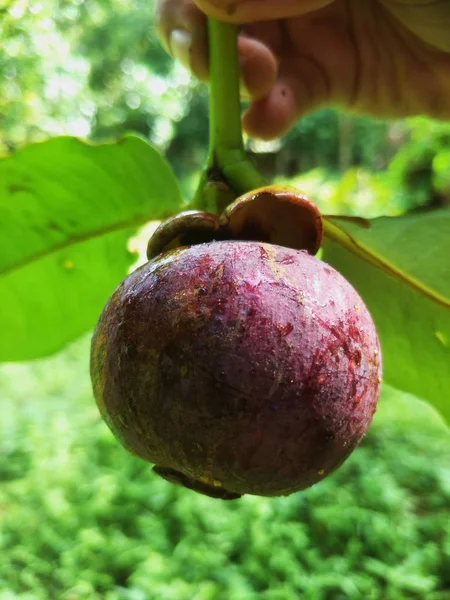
x=228, y=164
x=224, y=99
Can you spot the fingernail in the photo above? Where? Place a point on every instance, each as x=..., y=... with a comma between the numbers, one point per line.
x=180, y=45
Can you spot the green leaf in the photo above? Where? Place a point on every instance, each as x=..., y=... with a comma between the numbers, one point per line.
x=67, y=210
x=402, y=411
x=401, y=268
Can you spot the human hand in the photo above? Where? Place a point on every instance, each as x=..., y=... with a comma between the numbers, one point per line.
x=388, y=58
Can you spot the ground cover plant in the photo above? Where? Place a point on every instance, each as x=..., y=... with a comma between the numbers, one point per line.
x=82, y=519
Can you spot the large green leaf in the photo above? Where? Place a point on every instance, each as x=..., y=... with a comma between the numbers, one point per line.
x=401, y=268
x=402, y=411
x=67, y=210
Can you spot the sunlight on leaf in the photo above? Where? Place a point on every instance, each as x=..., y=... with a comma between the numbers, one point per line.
x=67, y=210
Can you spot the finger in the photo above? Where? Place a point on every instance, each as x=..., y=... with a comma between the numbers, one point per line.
x=428, y=19
x=247, y=11
x=182, y=31
x=259, y=67
x=296, y=93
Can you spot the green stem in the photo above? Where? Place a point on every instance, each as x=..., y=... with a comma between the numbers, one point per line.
x=224, y=98
x=226, y=153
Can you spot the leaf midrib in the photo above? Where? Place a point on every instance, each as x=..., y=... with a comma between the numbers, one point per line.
x=75, y=239
x=347, y=241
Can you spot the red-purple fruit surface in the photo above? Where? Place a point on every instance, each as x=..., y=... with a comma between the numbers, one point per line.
x=237, y=367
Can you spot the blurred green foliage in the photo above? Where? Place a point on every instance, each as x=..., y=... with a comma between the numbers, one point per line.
x=94, y=68
x=416, y=176
x=83, y=520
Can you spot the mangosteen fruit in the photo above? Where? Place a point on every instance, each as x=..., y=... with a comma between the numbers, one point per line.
x=237, y=366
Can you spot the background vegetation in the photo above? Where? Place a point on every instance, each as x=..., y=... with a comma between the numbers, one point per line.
x=94, y=68
x=82, y=520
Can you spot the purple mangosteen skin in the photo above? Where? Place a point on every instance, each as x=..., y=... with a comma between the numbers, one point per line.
x=244, y=367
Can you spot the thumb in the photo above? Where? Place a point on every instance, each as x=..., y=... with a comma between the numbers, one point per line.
x=248, y=11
